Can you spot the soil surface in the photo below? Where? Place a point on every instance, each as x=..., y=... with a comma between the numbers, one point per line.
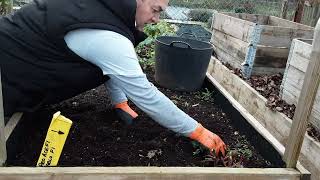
x=99, y=138
x=269, y=87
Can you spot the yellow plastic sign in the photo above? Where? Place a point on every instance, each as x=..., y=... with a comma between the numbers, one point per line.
x=55, y=139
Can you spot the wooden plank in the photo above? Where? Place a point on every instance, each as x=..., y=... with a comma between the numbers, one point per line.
x=305, y=174
x=290, y=93
x=300, y=54
x=225, y=57
x=295, y=76
x=146, y=173
x=305, y=103
x=3, y=148
x=234, y=46
x=278, y=36
x=235, y=27
x=270, y=61
x=266, y=70
x=12, y=123
x=255, y=18
x=275, y=21
x=279, y=52
x=275, y=122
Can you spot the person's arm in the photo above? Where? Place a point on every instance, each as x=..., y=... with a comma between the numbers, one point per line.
x=149, y=99
x=116, y=56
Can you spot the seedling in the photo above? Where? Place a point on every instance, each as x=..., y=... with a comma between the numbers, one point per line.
x=199, y=148
x=205, y=95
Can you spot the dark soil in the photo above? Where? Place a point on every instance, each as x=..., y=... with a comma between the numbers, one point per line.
x=269, y=87
x=99, y=138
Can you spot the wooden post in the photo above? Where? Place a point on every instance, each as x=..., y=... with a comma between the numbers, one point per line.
x=305, y=103
x=299, y=11
x=315, y=13
x=284, y=9
x=3, y=148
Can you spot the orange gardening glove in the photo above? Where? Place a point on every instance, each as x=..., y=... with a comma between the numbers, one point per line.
x=125, y=113
x=208, y=139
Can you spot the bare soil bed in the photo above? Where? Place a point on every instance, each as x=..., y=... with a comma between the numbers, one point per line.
x=99, y=138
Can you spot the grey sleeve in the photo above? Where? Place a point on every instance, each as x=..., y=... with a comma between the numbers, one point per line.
x=149, y=99
x=116, y=56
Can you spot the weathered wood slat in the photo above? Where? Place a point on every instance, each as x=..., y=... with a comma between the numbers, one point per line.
x=300, y=62
x=232, y=26
x=146, y=173
x=226, y=57
x=229, y=44
x=266, y=70
x=255, y=18
x=276, y=123
x=275, y=21
x=12, y=123
x=278, y=36
x=3, y=148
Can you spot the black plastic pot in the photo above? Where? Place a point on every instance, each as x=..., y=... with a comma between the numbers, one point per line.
x=181, y=63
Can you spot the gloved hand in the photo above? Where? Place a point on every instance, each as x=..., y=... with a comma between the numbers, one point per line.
x=208, y=139
x=125, y=113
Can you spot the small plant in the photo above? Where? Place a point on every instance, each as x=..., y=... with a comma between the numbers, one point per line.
x=205, y=95
x=186, y=104
x=234, y=157
x=199, y=148
x=145, y=49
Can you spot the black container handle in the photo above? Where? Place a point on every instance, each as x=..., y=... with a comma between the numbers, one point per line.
x=171, y=44
x=192, y=34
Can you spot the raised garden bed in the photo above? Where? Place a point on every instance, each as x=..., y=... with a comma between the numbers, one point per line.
x=98, y=138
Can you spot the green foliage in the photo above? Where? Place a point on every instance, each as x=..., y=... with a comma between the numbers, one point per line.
x=145, y=49
x=205, y=95
x=199, y=148
x=242, y=148
x=202, y=15
x=5, y=7
x=159, y=29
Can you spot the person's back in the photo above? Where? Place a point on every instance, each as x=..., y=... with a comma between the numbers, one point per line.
x=33, y=49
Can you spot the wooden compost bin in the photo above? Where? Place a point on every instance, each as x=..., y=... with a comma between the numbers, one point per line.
x=257, y=44
x=294, y=74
